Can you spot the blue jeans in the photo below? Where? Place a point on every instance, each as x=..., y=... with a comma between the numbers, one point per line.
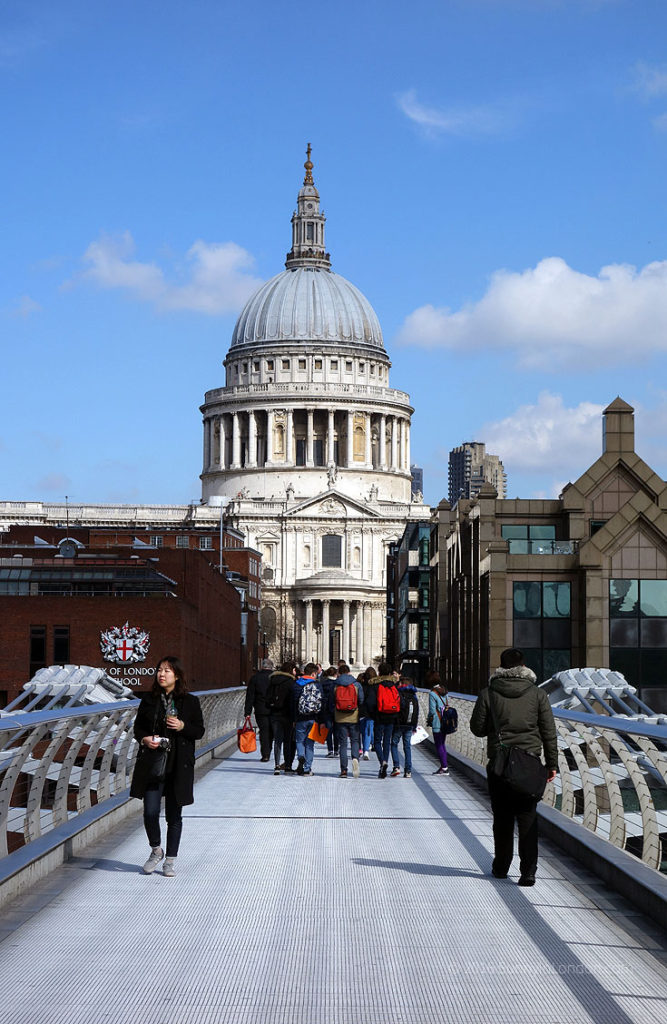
x=366, y=726
x=305, y=747
x=382, y=740
x=402, y=732
x=152, y=801
x=343, y=731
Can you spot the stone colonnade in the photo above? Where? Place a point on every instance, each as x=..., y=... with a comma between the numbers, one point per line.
x=329, y=629
x=255, y=438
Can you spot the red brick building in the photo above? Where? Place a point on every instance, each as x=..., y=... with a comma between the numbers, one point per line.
x=60, y=592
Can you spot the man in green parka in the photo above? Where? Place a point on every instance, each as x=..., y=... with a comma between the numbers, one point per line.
x=513, y=706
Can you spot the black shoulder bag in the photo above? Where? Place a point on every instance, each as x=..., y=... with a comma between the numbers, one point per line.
x=520, y=769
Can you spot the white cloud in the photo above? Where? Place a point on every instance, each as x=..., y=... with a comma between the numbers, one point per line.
x=552, y=316
x=651, y=80
x=25, y=307
x=485, y=120
x=54, y=482
x=216, y=278
x=547, y=437
x=660, y=123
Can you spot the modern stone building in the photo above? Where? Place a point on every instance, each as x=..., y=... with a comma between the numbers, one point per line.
x=578, y=581
x=470, y=468
x=309, y=446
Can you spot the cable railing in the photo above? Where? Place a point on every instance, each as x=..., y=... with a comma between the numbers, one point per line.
x=612, y=776
x=56, y=765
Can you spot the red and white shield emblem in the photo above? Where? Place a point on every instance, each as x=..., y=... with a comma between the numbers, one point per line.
x=124, y=649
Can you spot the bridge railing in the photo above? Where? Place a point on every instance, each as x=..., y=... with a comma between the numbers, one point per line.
x=57, y=765
x=612, y=776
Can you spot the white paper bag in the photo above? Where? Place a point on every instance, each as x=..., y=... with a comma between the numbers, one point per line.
x=418, y=735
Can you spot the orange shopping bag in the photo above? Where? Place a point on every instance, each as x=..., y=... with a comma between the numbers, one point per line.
x=245, y=737
x=318, y=733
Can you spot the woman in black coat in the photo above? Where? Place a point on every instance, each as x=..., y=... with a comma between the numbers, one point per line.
x=170, y=712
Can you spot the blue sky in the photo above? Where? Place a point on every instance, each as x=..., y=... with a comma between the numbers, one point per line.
x=493, y=175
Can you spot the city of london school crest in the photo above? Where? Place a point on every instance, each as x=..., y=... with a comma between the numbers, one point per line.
x=124, y=644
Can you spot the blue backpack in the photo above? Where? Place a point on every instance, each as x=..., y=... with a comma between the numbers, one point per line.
x=449, y=720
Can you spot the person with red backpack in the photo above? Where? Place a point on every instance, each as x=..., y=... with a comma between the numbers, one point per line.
x=384, y=704
x=346, y=699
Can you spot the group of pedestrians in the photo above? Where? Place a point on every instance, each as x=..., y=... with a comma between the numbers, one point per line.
x=374, y=711
x=380, y=708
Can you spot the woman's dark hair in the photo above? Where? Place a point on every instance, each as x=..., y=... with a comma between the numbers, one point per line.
x=369, y=674
x=178, y=670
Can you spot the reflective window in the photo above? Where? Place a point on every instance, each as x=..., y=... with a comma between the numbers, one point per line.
x=542, y=626
x=653, y=597
x=514, y=532
x=555, y=600
x=623, y=597
x=527, y=600
x=638, y=630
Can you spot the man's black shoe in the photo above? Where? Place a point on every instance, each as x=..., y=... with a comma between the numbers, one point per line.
x=498, y=874
x=526, y=880
x=299, y=770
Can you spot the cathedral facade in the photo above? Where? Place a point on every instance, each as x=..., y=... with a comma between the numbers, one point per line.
x=307, y=448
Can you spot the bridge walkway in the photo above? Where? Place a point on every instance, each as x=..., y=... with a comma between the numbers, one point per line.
x=327, y=901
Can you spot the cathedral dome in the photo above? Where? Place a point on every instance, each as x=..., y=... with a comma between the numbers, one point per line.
x=308, y=303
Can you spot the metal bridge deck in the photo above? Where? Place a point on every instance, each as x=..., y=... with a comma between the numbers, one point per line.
x=326, y=901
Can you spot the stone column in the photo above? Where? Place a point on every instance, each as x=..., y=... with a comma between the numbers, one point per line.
x=407, y=445
x=269, y=437
x=394, y=445
x=367, y=632
x=346, y=631
x=309, y=438
x=383, y=441
x=236, y=442
x=359, y=620
x=350, y=439
x=289, y=441
x=368, y=455
x=208, y=427
x=222, y=454
x=309, y=631
x=252, y=440
x=325, y=634
x=330, y=438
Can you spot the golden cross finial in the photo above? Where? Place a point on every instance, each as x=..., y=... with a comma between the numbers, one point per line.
x=308, y=180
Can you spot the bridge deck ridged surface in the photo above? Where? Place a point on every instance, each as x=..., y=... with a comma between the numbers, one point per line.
x=327, y=901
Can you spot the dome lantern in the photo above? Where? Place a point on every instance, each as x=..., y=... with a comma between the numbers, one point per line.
x=308, y=225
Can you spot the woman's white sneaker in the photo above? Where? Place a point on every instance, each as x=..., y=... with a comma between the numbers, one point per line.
x=157, y=853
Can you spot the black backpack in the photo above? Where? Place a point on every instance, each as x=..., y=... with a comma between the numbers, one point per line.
x=274, y=698
x=408, y=703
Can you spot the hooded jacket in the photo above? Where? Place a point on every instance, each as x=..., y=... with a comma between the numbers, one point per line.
x=348, y=717
x=382, y=717
x=513, y=706
x=281, y=683
x=297, y=690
